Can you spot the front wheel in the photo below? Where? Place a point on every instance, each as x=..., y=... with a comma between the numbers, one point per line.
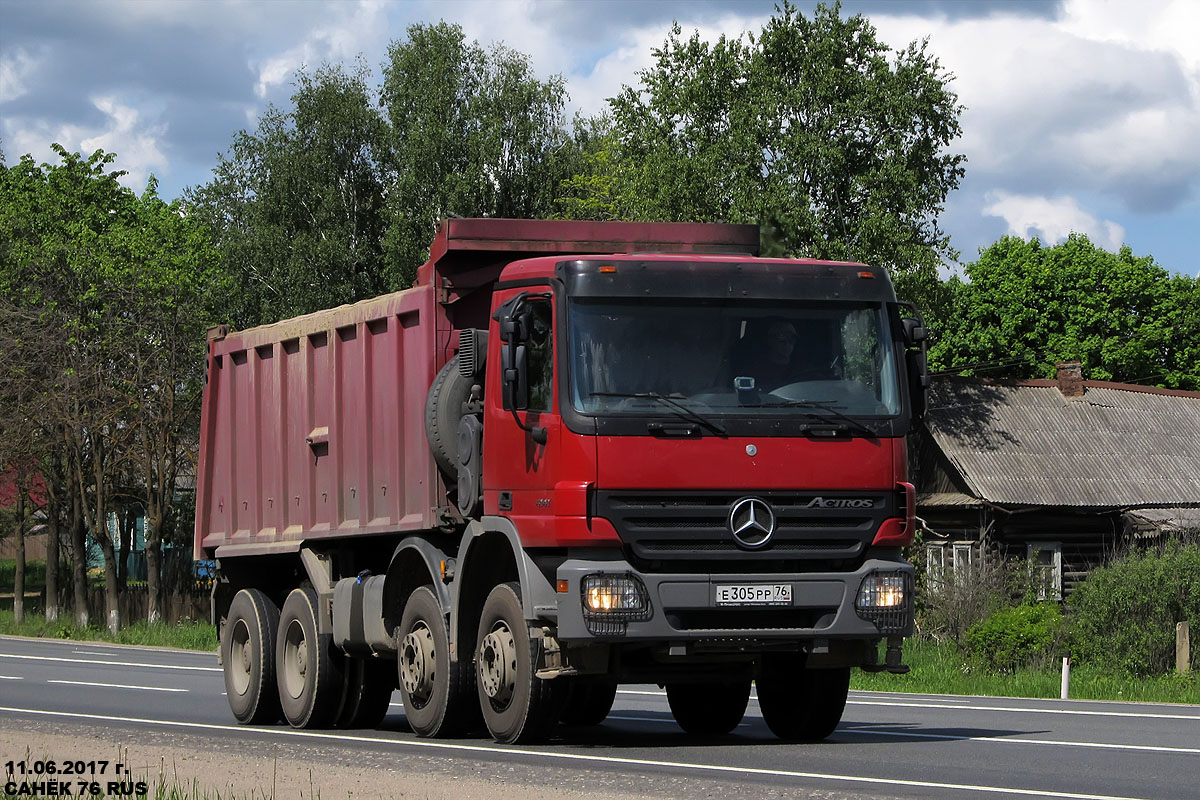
x=800, y=704
x=589, y=702
x=248, y=657
x=708, y=709
x=518, y=706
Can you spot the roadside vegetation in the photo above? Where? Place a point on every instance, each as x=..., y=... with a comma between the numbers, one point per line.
x=984, y=631
x=185, y=635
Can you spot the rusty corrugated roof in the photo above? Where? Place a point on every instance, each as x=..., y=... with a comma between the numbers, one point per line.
x=1114, y=447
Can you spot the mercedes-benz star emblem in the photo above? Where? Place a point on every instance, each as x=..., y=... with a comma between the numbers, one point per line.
x=752, y=523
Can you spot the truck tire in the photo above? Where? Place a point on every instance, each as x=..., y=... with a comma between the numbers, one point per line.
x=367, y=694
x=309, y=666
x=438, y=693
x=518, y=706
x=708, y=709
x=248, y=655
x=443, y=410
x=589, y=702
x=801, y=704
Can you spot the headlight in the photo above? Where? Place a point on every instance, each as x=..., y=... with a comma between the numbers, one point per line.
x=882, y=591
x=885, y=598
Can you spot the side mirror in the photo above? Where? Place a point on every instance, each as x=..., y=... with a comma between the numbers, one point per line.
x=512, y=318
x=514, y=376
x=914, y=331
x=916, y=359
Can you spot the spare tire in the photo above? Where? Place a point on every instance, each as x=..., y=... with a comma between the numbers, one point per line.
x=443, y=410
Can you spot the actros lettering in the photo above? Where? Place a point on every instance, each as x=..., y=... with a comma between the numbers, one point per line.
x=840, y=502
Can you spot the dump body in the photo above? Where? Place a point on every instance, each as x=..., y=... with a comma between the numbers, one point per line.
x=312, y=428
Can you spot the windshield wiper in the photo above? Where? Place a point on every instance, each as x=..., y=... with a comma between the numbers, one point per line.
x=823, y=405
x=683, y=410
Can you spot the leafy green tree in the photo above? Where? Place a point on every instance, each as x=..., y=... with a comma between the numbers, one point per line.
x=174, y=280
x=811, y=128
x=297, y=207
x=1026, y=306
x=59, y=226
x=473, y=134
x=104, y=298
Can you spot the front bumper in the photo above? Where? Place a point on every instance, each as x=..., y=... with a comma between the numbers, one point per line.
x=683, y=607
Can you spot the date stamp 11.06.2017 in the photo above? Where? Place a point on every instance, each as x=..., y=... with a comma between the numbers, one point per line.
x=70, y=778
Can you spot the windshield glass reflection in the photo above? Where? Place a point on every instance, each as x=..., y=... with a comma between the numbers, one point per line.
x=732, y=358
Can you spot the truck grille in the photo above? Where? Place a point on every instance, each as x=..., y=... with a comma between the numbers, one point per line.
x=662, y=530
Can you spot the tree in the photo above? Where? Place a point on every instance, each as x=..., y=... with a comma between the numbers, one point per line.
x=104, y=298
x=473, y=133
x=1026, y=306
x=61, y=274
x=176, y=276
x=297, y=207
x=811, y=128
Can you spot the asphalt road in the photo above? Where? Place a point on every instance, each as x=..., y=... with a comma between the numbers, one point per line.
x=888, y=745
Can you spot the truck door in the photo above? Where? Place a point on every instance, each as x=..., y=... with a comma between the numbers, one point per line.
x=521, y=448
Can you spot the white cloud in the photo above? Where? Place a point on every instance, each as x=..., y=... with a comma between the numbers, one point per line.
x=1051, y=219
x=335, y=37
x=136, y=144
x=15, y=68
x=1071, y=104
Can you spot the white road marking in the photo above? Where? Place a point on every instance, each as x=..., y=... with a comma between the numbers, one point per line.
x=1014, y=740
x=958, y=700
x=11, y=678
x=111, y=663
x=120, y=686
x=551, y=755
x=1013, y=709
x=1018, y=710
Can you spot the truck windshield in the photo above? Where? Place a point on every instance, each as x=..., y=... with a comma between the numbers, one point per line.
x=732, y=358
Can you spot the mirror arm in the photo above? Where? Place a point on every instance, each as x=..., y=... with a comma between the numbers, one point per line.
x=539, y=434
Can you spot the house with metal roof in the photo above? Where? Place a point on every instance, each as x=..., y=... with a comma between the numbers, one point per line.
x=1066, y=472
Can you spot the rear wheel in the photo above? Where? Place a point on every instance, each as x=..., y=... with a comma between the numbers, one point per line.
x=517, y=705
x=589, y=702
x=708, y=709
x=801, y=704
x=309, y=668
x=438, y=693
x=368, y=693
x=248, y=657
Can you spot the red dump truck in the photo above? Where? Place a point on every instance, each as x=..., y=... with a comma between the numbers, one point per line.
x=573, y=455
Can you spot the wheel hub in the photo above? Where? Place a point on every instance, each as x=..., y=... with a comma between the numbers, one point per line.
x=418, y=664
x=498, y=664
x=241, y=658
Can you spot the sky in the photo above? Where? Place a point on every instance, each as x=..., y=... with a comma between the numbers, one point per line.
x=1080, y=115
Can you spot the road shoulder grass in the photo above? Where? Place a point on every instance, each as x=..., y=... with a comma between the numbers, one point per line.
x=186, y=635
x=940, y=668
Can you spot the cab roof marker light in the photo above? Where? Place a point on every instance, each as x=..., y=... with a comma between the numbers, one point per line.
x=607, y=269
x=865, y=274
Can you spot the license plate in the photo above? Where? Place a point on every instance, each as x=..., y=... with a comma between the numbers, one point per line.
x=754, y=594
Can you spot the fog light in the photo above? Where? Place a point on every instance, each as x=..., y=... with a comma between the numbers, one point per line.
x=610, y=601
x=885, y=598
x=881, y=591
x=613, y=595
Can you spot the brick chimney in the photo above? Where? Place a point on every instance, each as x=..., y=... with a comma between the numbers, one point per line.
x=1070, y=378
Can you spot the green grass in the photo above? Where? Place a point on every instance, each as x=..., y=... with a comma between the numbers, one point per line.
x=943, y=669
x=186, y=635
x=35, y=574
